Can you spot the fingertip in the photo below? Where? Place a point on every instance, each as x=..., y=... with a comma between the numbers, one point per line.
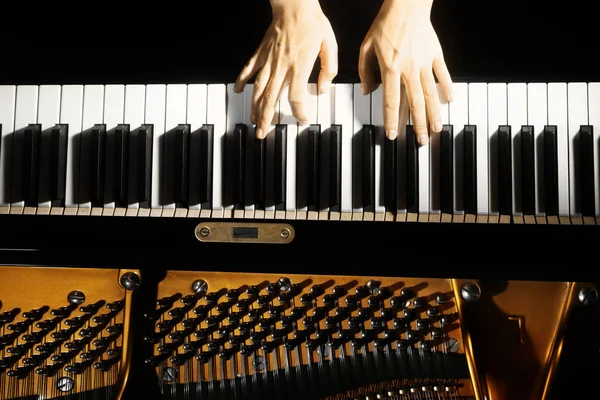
x=391, y=134
x=260, y=133
x=437, y=127
x=324, y=86
x=423, y=139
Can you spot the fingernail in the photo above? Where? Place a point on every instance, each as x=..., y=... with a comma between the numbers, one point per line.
x=260, y=133
x=423, y=140
x=363, y=88
x=391, y=134
x=437, y=127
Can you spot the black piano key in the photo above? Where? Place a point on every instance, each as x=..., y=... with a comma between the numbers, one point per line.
x=312, y=175
x=238, y=155
x=551, y=170
x=368, y=165
x=91, y=166
x=470, y=169
x=412, y=171
x=390, y=174
x=115, y=165
x=206, y=164
x=260, y=157
x=139, y=166
x=447, y=169
x=504, y=170
x=249, y=160
x=586, y=170
x=527, y=170
x=335, y=168
x=324, y=175
x=58, y=164
x=175, y=183
x=32, y=137
x=279, y=191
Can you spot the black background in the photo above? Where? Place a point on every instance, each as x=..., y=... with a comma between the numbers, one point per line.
x=210, y=41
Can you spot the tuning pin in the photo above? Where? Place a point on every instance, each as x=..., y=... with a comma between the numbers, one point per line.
x=252, y=291
x=373, y=286
x=317, y=290
x=433, y=311
x=285, y=284
x=339, y=291
x=442, y=298
x=273, y=289
x=420, y=302
x=306, y=298
x=233, y=294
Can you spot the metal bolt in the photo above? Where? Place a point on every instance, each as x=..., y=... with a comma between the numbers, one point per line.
x=204, y=231
x=284, y=284
x=130, y=281
x=76, y=297
x=65, y=384
x=169, y=374
x=452, y=345
x=588, y=296
x=470, y=292
x=285, y=233
x=200, y=287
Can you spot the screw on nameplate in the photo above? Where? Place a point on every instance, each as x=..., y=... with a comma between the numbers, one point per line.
x=244, y=232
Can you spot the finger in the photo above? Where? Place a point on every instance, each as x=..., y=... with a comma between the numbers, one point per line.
x=253, y=65
x=268, y=103
x=391, y=102
x=443, y=75
x=298, y=92
x=260, y=83
x=416, y=102
x=366, y=68
x=432, y=100
x=329, y=62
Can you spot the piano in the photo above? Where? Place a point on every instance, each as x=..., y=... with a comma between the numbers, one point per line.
x=526, y=89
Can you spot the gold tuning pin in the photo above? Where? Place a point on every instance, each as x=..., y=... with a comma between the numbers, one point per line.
x=513, y=332
x=65, y=331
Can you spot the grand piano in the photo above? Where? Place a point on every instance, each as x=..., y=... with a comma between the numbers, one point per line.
x=124, y=146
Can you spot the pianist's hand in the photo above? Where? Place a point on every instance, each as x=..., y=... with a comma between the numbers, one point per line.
x=404, y=44
x=298, y=34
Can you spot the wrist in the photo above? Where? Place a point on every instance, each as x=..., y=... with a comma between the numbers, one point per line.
x=408, y=6
x=280, y=7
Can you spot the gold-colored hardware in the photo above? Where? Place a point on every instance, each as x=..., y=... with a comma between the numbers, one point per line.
x=24, y=289
x=244, y=232
x=178, y=288
x=522, y=368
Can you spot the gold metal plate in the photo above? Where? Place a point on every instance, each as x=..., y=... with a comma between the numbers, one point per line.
x=244, y=232
x=65, y=331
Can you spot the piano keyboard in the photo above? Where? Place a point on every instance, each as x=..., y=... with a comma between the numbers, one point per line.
x=508, y=153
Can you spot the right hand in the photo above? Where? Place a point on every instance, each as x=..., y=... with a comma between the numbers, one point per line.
x=299, y=33
x=402, y=40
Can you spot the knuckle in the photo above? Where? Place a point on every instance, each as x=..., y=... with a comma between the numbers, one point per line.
x=269, y=98
x=417, y=104
x=391, y=104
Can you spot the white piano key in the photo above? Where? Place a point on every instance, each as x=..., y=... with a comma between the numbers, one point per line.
x=362, y=116
x=247, y=119
x=25, y=114
x=344, y=100
x=459, y=117
x=135, y=104
x=424, y=183
x=497, y=115
x=216, y=115
x=311, y=113
x=594, y=120
x=48, y=116
x=435, y=177
x=577, y=109
x=156, y=95
x=71, y=113
x=7, y=121
x=235, y=115
x=176, y=110
x=286, y=117
x=478, y=111
x=557, y=115
x=537, y=116
x=270, y=171
x=93, y=113
x=114, y=112
x=517, y=117
x=377, y=120
x=196, y=115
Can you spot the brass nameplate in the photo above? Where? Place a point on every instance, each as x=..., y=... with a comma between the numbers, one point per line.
x=244, y=232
